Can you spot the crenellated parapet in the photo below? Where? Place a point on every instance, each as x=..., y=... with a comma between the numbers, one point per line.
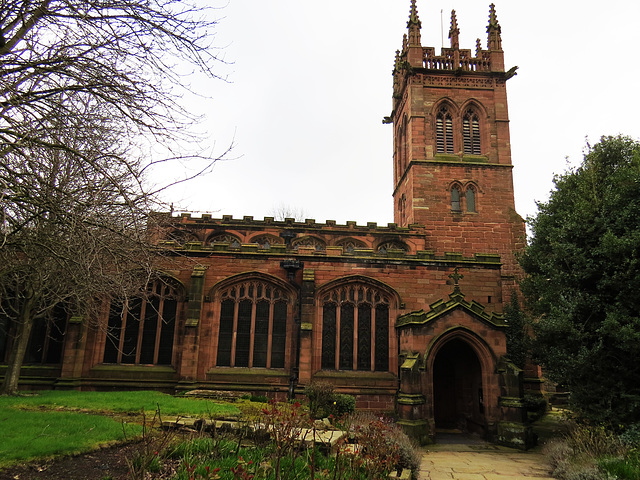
x=204, y=235
x=456, y=59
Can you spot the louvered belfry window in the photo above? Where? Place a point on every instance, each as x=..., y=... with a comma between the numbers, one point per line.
x=471, y=133
x=355, y=329
x=257, y=312
x=444, y=131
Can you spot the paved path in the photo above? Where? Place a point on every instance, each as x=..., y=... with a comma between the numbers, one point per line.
x=476, y=460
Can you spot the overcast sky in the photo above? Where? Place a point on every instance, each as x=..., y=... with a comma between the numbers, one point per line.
x=310, y=81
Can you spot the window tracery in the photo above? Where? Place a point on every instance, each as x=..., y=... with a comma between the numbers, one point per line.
x=314, y=242
x=471, y=133
x=266, y=240
x=355, y=328
x=384, y=247
x=256, y=311
x=182, y=236
x=46, y=339
x=350, y=244
x=232, y=240
x=444, y=131
x=141, y=329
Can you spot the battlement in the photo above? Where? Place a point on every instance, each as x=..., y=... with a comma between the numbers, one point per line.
x=453, y=59
x=186, y=218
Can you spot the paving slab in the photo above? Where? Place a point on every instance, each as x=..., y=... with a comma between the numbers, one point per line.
x=468, y=458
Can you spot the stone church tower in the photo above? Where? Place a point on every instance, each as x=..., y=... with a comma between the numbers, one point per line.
x=452, y=156
x=452, y=175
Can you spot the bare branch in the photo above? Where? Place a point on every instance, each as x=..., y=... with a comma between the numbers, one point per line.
x=84, y=86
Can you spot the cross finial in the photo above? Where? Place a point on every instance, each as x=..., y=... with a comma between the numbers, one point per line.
x=456, y=279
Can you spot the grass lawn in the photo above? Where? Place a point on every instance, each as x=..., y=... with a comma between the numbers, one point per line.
x=51, y=423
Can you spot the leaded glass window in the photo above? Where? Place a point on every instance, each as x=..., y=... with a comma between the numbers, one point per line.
x=470, y=199
x=364, y=337
x=47, y=337
x=329, y=336
x=47, y=333
x=140, y=330
x=455, y=199
x=257, y=312
x=346, y=336
x=382, y=337
x=355, y=329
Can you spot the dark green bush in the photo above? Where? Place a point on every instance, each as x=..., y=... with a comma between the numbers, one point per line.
x=320, y=396
x=625, y=468
x=323, y=401
x=536, y=406
x=631, y=436
x=343, y=404
x=258, y=398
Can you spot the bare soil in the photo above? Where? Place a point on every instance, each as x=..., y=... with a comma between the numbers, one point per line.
x=106, y=463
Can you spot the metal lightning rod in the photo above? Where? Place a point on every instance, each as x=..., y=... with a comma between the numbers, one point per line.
x=441, y=30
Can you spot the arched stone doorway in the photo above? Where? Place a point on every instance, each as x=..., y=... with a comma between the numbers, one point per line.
x=458, y=397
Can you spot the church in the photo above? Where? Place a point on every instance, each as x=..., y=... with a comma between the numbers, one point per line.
x=407, y=317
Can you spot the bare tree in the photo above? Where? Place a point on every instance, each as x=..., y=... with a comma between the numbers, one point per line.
x=85, y=86
x=282, y=211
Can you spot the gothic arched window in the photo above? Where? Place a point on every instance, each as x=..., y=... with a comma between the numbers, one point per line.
x=470, y=199
x=47, y=334
x=455, y=199
x=232, y=240
x=316, y=243
x=257, y=312
x=266, y=240
x=402, y=203
x=355, y=329
x=384, y=247
x=141, y=329
x=182, y=236
x=47, y=337
x=471, y=133
x=405, y=145
x=349, y=245
x=444, y=131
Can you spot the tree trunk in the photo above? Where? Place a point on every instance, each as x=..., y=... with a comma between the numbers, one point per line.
x=18, y=349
